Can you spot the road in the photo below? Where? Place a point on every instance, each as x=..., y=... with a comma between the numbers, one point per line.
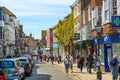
x=47, y=71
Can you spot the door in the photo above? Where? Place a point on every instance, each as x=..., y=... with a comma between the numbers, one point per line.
x=107, y=56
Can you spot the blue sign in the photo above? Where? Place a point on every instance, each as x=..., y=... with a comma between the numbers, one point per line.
x=115, y=21
x=95, y=41
x=107, y=40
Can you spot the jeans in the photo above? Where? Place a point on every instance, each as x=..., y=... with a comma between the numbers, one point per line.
x=114, y=78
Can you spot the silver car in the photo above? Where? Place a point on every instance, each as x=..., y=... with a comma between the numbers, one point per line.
x=12, y=68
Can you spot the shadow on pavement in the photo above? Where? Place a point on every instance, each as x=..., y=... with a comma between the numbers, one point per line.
x=44, y=76
x=40, y=77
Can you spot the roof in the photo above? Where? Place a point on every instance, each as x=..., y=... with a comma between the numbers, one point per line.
x=7, y=11
x=75, y=3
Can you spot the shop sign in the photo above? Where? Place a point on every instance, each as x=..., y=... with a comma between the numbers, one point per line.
x=115, y=21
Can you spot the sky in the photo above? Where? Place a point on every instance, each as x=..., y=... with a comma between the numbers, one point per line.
x=38, y=15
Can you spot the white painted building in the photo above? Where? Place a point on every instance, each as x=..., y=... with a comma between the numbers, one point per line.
x=8, y=24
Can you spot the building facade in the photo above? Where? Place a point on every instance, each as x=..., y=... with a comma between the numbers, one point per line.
x=82, y=15
x=109, y=36
x=7, y=24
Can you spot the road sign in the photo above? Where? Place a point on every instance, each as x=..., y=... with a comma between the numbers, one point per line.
x=115, y=21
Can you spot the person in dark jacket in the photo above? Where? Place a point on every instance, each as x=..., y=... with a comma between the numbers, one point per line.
x=52, y=59
x=89, y=62
x=81, y=62
x=114, y=64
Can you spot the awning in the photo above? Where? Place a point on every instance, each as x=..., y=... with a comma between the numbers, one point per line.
x=79, y=43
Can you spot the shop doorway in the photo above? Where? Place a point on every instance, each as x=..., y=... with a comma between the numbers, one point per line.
x=107, y=56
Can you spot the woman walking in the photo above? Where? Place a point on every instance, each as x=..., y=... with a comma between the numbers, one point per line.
x=66, y=64
x=81, y=62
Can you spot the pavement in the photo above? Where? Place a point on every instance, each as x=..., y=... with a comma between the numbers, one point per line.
x=77, y=75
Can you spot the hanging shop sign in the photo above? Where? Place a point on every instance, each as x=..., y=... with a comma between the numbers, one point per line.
x=115, y=21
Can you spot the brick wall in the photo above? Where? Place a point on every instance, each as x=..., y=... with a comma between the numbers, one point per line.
x=95, y=3
x=107, y=28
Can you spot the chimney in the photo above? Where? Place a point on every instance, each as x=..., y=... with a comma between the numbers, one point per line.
x=30, y=35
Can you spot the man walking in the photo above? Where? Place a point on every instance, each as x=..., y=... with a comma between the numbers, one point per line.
x=114, y=67
x=89, y=62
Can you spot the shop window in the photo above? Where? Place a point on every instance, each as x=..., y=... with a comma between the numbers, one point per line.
x=114, y=6
x=101, y=50
x=116, y=49
x=106, y=15
x=83, y=17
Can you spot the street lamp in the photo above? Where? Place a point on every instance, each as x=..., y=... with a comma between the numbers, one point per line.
x=98, y=28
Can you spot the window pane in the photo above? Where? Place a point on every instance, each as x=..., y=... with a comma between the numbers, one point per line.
x=7, y=64
x=106, y=15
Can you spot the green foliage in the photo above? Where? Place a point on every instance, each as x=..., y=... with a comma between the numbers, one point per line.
x=65, y=29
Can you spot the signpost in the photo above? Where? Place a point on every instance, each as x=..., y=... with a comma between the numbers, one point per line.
x=116, y=21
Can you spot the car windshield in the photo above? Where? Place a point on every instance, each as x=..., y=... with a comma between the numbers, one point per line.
x=7, y=64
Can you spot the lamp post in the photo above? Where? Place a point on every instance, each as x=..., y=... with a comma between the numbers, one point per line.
x=98, y=28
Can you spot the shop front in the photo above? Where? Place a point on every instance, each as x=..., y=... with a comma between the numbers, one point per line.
x=109, y=45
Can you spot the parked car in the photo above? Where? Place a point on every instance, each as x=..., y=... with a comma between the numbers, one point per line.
x=2, y=75
x=26, y=64
x=30, y=59
x=12, y=68
x=34, y=54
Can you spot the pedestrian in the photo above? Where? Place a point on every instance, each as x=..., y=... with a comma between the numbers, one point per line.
x=66, y=64
x=119, y=72
x=89, y=62
x=71, y=63
x=41, y=57
x=45, y=57
x=80, y=62
x=114, y=67
x=58, y=59
x=94, y=61
x=52, y=59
